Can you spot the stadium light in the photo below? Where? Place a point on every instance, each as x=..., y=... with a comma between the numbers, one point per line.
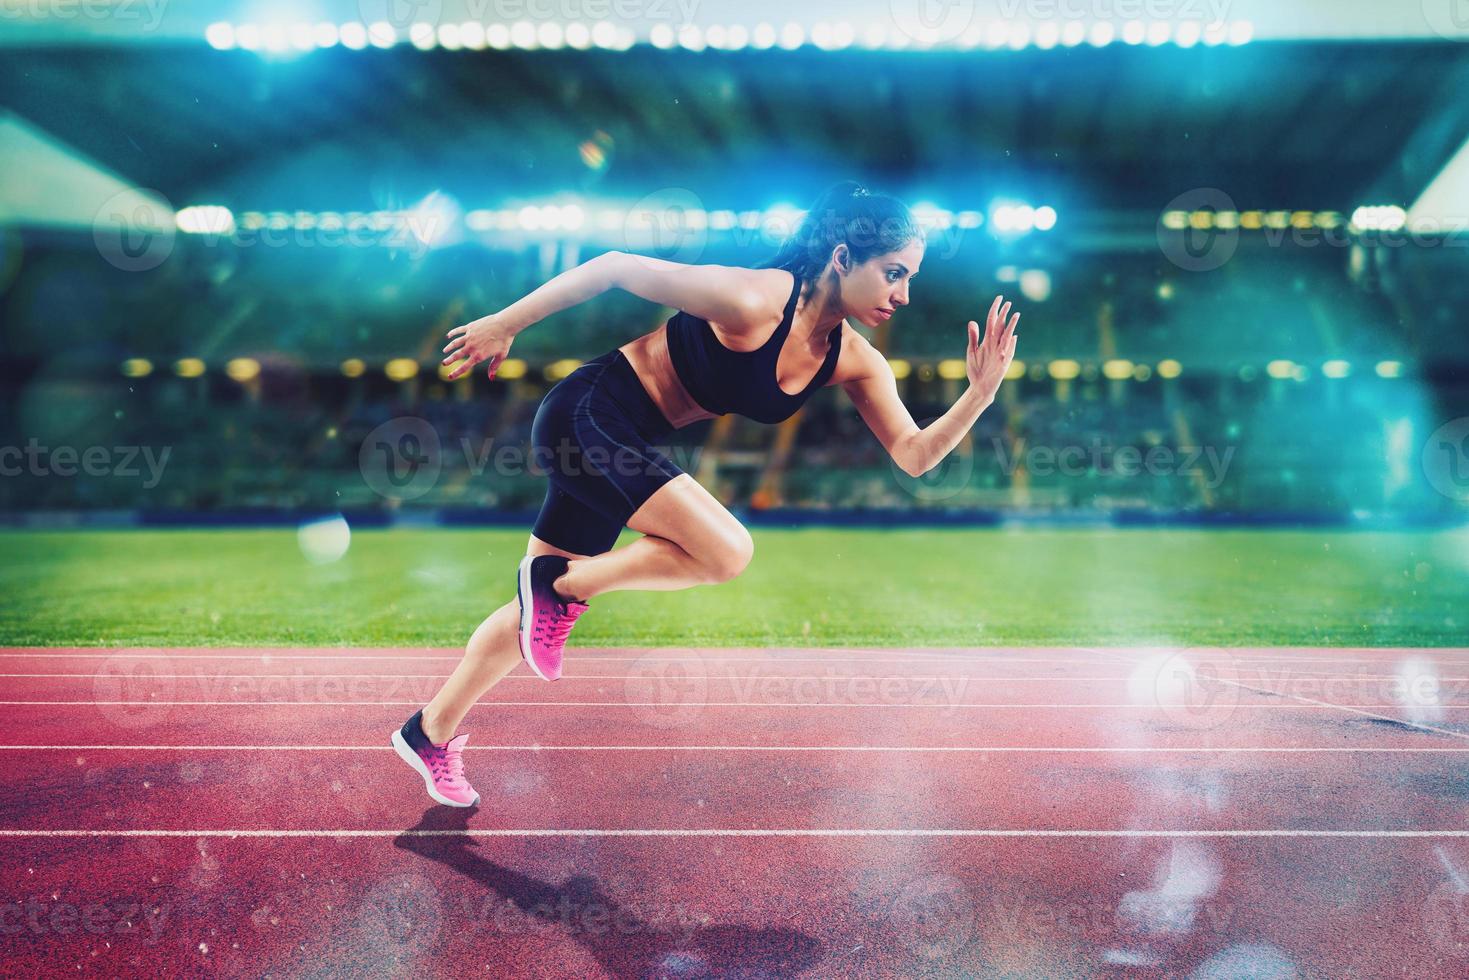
x=188, y=367
x=1064, y=369
x=900, y=368
x=137, y=367
x=557, y=370
x=401, y=369
x=1281, y=369
x=205, y=220
x=353, y=35
x=221, y=36
x=1336, y=369
x=1141, y=372
x=353, y=367
x=1169, y=368
x=1389, y=369
x=510, y=369
x=952, y=369
x=243, y=369
x=1015, y=370
x=1117, y=369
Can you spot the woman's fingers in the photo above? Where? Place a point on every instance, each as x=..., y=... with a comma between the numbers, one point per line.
x=457, y=330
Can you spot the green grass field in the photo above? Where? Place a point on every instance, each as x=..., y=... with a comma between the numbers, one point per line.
x=809, y=587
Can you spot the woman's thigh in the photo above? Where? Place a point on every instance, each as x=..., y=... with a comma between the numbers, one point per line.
x=692, y=518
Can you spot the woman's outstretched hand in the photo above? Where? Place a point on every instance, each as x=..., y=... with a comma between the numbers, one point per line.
x=485, y=339
x=988, y=358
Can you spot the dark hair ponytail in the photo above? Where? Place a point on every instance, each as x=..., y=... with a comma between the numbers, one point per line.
x=845, y=213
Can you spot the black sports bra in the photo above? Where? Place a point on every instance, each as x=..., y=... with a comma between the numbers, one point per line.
x=723, y=380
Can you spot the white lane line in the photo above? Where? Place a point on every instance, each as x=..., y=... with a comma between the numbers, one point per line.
x=1046, y=678
x=1450, y=733
x=744, y=832
x=1063, y=749
x=936, y=704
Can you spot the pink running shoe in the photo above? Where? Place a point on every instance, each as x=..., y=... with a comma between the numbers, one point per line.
x=545, y=617
x=441, y=766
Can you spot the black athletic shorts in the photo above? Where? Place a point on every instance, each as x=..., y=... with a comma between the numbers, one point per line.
x=592, y=436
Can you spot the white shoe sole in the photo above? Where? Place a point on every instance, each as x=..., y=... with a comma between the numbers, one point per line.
x=406, y=753
x=527, y=611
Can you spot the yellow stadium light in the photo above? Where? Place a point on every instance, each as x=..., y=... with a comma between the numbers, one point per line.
x=353, y=367
x=1336, y=369
x=1117, y=369
x=901, y=368
x=1389, y=369
x=1175, y=220
x=188, y=367
x=137, y=367
x=1064, y=370
x=243, y=369
x=510, y=369
x=557, y=370
x=1142, y=372
x=1015, y=370
x=1251, y=220
x=952, y=369
x=1169, y=368
x=401, y=368
x=1281, y=369
x=446, y=369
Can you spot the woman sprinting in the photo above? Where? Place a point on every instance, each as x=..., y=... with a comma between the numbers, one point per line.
x=756, y=342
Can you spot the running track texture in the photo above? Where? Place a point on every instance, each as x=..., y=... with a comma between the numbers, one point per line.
x=1028, y=812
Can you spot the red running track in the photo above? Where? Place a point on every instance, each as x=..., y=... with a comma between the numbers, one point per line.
x=1028, y=812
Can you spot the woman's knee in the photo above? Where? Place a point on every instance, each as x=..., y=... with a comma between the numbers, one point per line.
x=731, y=557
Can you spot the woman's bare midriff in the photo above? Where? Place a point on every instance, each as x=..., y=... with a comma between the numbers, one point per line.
x=649, y=357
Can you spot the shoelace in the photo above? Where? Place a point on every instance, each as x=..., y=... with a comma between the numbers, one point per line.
x=449, y=764
x=555, y=625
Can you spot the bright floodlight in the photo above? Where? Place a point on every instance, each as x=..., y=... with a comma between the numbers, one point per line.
x=354, y=36
x=220, y=36
x=325, y=541
x=1045, y=218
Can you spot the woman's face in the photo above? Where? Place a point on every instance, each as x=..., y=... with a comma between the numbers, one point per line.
x=875, y=289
